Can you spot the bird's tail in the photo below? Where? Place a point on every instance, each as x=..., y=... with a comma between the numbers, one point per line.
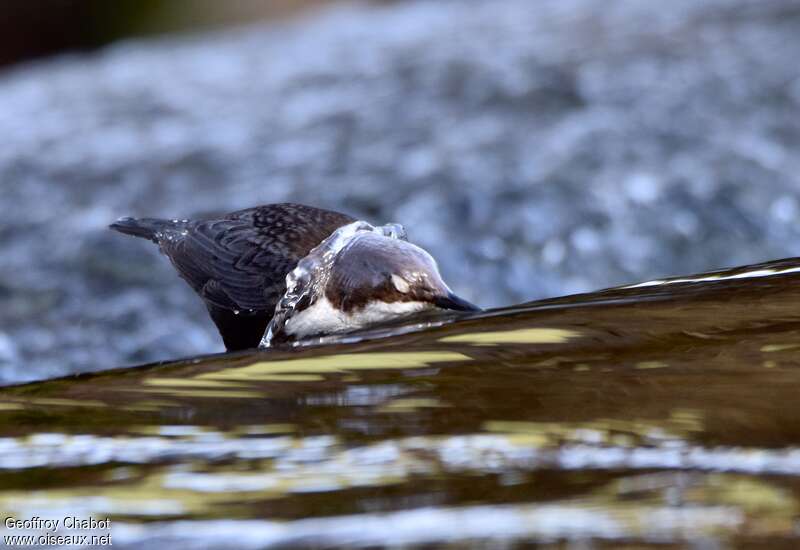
x=146, y=228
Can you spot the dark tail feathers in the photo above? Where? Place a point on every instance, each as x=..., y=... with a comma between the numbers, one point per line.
x=146, y=228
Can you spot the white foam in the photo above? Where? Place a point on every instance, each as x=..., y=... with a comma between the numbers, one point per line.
x=444, y=525
x=714, y=278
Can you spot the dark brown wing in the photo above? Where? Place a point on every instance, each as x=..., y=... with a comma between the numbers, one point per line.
x=239, y=263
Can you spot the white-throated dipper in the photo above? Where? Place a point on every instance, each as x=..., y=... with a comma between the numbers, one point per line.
x=350, y=278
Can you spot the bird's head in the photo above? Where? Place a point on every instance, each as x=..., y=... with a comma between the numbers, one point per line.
x=387, y=276
x=358, y=277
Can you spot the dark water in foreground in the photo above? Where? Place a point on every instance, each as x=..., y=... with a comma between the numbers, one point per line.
x=661, y=416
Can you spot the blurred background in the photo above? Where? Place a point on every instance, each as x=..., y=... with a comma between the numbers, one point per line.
x=535, y=148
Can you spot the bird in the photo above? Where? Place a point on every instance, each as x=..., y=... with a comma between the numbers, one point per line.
x=363, y=277
x=238, y=264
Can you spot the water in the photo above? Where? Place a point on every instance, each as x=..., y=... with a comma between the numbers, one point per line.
x=652, y=416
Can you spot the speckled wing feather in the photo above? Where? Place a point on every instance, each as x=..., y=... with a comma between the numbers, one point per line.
x=239, y=262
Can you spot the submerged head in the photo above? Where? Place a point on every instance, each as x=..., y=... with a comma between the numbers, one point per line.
x=369, y=278
x=377, y=271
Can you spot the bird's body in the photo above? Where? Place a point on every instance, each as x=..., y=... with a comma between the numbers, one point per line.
x=238, y=264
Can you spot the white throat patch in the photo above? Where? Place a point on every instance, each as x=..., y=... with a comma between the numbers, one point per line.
x=323, y=318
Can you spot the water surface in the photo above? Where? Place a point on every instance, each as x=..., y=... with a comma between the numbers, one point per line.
x=661, y=415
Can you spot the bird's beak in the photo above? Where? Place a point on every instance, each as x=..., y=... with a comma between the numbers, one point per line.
x=451, y=301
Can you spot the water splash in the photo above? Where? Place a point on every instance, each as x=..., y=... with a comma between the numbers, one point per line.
x=306, y=281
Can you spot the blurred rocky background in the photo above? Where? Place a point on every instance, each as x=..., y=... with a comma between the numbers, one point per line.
x=535, y=148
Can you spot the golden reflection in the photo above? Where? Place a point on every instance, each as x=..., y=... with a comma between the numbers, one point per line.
x=291, y=378
x=149, y=406
x=267, y=370
x=265, y=429
x=651, y=365
x=749, y=494
x=778, y=347
x=140, y=492
x=758, y=506
x=56, y=402
x=410, y=405
x=519, y=336
x=190, y=382
x=608, y=431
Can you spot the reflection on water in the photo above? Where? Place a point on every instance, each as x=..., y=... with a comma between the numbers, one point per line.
x=664, y=414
